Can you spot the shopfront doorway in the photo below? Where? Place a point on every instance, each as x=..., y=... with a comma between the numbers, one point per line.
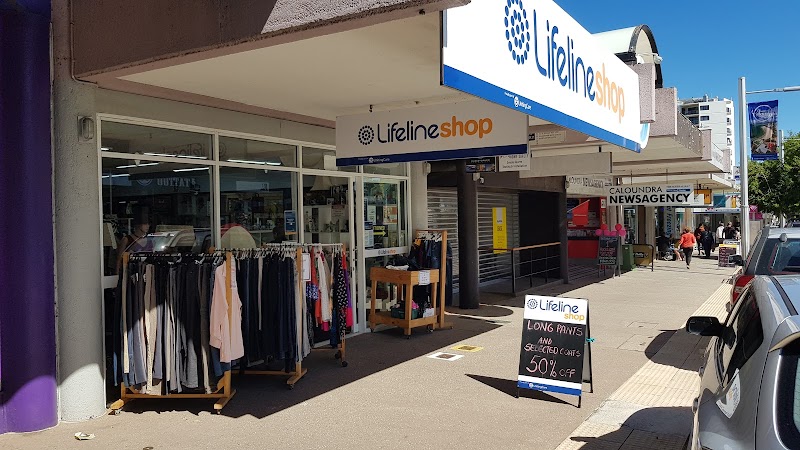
x=176, y=188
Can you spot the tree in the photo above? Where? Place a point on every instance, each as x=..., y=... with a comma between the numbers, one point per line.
x=774, y=186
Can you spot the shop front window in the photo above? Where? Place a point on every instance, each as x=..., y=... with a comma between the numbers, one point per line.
x=154, y=207
x=322, y=159
x=255, y=205
x=153, y=141
x=268, y=154
x=326, y=209
x=397, y=169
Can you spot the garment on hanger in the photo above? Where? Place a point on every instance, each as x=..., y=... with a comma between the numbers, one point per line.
x=165, y=317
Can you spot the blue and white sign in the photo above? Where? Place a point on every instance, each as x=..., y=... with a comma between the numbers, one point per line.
x=468, y=129
x=680, y=195
x=533, y=57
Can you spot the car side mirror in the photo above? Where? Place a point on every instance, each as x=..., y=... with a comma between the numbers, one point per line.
x=704, y=326
x=736, y=259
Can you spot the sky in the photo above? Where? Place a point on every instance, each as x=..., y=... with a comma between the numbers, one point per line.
x=708, y=44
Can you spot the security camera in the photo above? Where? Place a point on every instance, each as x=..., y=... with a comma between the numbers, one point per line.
x=481, y=180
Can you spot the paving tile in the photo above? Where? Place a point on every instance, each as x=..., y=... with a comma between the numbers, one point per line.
x=677, y=397
x=646, y=439
x=645, y=325
x=637, y=342
x=685, y=379
x=594, y=444
x=602, y=431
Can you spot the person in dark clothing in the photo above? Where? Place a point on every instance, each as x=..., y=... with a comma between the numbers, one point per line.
x=729, y=232
x=699, y=232
x=708, y=242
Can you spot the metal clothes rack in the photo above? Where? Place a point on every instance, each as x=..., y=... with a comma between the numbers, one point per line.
x=224, y=391
x=438, y=236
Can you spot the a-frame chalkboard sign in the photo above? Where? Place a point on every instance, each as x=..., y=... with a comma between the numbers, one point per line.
x=556, y=352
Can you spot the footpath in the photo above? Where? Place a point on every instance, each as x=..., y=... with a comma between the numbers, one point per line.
x=652, y=410
x=394, y=394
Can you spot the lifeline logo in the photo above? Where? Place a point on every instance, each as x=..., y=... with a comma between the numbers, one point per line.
x=561, y=63
x=395, y=132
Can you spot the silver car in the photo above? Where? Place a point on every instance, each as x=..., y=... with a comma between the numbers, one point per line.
x=750, y=381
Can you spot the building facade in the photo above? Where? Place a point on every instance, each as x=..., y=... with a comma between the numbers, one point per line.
x=717, y=115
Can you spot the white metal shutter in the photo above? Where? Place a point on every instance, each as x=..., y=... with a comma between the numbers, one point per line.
x=493, y=266
x=443, y=215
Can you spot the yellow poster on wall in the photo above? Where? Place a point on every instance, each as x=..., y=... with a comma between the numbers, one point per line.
x=499, y=229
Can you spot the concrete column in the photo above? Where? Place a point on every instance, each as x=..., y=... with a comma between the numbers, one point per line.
x=650, y=226
x=469, y=273
x=77, y=224
x=27, y=314
x=562, y=235
x=419, y=195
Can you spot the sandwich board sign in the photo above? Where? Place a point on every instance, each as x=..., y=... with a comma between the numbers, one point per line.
x=555, y=353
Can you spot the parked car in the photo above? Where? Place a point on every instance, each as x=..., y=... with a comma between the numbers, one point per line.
x=750, y=381
x=776, y=251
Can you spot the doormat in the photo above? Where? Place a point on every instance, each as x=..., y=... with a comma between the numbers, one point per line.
x=467, y=348
x=445, y=356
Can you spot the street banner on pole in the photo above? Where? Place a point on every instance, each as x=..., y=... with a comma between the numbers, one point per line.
x=763, y=130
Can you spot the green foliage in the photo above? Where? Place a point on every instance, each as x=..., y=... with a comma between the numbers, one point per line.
x=774, y=186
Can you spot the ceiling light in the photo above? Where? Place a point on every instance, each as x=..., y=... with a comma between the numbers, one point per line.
x=137, y=165
x=245, y=161
x=190, y=170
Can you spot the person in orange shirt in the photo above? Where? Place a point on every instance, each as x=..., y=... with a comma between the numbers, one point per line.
x=687, y=244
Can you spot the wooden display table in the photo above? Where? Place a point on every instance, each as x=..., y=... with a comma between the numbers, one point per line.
x=407, y=279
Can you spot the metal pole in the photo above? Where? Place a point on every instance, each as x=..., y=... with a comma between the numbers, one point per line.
x=780, y=149
x=743, y=160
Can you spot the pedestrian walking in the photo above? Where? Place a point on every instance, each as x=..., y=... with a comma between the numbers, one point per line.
x=698, y=238
x=729, y=232
x=708, y=242
x=687, y=245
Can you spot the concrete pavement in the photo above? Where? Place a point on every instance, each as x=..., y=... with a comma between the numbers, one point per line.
x=393, y=396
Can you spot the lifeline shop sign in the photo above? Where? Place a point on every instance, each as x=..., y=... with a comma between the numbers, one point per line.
x=654, y=195
x=469, y=129
x=533, y=57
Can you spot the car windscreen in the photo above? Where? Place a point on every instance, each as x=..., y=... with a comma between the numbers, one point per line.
x=788, y=389
x=779, y=258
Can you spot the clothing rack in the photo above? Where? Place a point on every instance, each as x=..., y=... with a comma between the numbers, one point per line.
x=224, y=391
x=297, y=250
x=438, y=236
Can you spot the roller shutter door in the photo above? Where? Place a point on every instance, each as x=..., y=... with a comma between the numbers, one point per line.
x=443, y=214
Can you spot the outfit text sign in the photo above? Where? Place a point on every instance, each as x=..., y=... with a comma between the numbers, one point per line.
x=554, y=344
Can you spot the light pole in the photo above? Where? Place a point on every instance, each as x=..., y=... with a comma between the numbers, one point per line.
x=743, y=158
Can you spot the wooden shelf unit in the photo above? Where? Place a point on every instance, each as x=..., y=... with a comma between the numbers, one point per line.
x=403, y=279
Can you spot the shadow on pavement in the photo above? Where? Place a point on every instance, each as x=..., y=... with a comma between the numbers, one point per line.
x=485, y=310
x=260, y=396
x=509, y=387
x=657, y=343
x=658, y=427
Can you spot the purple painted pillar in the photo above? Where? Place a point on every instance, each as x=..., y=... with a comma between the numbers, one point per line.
x=27, y=296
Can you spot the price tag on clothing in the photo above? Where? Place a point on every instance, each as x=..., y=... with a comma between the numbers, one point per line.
x=306, y=267
x=424, y=277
